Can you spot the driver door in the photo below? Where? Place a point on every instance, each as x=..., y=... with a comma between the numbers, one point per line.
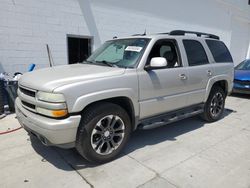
x=163, y=90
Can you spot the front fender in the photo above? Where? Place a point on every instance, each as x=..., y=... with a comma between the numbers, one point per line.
x=87, y=99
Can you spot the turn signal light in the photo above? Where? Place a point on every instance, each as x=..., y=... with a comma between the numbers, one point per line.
x=59, y=113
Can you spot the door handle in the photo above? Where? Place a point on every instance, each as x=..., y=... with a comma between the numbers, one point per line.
x=183, y=76
x=209, y=73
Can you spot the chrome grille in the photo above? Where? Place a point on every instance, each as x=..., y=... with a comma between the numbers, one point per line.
x=32, y=106
x=27, y=97
x=27, y=92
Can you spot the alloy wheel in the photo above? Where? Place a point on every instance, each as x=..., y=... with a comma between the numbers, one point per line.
x=217, y=103
x=107, y=134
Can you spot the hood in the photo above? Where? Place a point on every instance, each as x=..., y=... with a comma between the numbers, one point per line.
x=50, y=78
x=242, y=75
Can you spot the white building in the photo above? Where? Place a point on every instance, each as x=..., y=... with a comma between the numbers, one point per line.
x=26, y=26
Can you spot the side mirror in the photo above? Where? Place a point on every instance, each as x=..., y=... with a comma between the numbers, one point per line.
x=157, y=63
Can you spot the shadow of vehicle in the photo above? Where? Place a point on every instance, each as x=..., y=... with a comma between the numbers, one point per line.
x=142, y=138
x=51, y=154
x=69, y=159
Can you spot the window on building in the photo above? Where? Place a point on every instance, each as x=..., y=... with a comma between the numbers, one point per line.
x=79, y=48
x=195, y=53
x=219, y=51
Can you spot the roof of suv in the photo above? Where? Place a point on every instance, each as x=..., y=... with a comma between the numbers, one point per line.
x=176, y=34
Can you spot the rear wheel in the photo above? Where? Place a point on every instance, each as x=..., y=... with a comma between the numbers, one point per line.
x=214, y=107
x=103, y=132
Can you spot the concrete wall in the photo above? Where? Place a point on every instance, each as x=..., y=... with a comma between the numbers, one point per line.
x=26, y=26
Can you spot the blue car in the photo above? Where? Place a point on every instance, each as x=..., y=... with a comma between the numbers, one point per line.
x=242, y=78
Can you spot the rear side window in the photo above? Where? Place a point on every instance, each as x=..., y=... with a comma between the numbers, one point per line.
x=195, y=53
x=219, y=51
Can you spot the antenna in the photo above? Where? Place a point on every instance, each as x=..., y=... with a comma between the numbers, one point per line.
x=145, y=33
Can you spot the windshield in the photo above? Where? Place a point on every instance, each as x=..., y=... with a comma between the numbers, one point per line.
x=120, y=53
x=245, y=65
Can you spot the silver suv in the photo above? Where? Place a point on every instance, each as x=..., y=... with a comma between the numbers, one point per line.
x=139, y=82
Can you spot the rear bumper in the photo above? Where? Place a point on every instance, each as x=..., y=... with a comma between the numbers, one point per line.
x=61, y=133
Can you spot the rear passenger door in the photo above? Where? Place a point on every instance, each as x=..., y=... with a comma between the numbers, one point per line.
x=222, y=59
x=199, y=70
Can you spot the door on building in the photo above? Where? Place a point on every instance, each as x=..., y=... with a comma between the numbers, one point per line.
x=79, y=48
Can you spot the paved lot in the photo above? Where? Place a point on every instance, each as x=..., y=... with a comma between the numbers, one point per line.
x=189, y=153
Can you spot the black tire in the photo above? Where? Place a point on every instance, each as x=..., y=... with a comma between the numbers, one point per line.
x=92, y=119
x=209, y=107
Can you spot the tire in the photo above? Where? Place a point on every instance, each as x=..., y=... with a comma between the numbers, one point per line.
x=103, y=132
x=214, y=106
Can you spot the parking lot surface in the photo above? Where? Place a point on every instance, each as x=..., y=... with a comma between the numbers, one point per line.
x=189, y=153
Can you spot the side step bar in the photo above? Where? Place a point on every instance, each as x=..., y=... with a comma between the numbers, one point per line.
x=164, y=119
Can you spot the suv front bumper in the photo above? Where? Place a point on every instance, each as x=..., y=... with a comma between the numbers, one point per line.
x=56, y=132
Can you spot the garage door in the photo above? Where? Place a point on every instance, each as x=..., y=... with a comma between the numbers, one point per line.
x=240, y=40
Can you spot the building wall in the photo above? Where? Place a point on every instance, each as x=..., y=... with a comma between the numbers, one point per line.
x=227, y=18
x=26, y=26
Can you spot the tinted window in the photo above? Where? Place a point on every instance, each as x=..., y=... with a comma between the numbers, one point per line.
x=219, y=51
x=195, y=53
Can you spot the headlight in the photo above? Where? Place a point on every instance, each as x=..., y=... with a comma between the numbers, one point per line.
x=50, y=97
x=52, y=113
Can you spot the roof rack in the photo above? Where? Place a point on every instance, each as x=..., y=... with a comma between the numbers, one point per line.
x=162, y=33
x=199, y=34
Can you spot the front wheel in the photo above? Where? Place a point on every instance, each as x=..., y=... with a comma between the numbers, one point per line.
x=103, y=132
x=214, y=107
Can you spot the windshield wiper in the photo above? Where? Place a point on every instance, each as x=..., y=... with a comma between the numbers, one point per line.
x=100, y=62
x=107, y=63
x=88, y=62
